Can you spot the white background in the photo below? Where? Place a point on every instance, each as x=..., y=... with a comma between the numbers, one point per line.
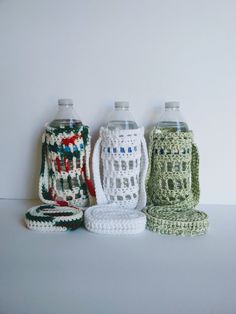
x=97, y=52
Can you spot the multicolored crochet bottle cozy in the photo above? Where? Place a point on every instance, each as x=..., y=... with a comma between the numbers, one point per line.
x=65, y=176
x=124, y=166
x=64, y=183
x=173, y=185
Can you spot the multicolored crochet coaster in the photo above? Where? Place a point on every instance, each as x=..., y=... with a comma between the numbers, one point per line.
x=108, y=219
x=53, y=218
x=186, y=223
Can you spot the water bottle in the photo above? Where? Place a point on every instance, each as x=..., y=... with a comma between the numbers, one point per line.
x=172, y=181
x=121, y=118
x=66, y=115
x=122, y=148
x=172, y=120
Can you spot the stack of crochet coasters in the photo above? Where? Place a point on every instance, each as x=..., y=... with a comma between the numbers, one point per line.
x=53, y=218
x=108, y=219
x=173, y=222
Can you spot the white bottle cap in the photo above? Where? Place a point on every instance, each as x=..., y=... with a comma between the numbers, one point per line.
x=172, y=104
x=122, y=104
x=65, y=102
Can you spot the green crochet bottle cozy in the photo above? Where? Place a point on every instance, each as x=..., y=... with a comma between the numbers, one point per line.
x=173, y=185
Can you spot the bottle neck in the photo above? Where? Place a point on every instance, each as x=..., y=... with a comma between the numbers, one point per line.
x=65, y=111
x=172, y=120
x=121, y=118
x=66, y=117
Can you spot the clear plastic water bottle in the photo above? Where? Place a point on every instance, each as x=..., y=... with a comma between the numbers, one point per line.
x=66, y=115
x=121, y=118
x=172, y=120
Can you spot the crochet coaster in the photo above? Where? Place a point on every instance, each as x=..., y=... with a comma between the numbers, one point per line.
x=185, y=223
x=107, y=219
x=53, y=218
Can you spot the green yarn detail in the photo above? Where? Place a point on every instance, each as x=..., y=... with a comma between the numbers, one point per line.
x=69, y=182
x=45, y=193
x=85, y=134
x=70, y=225
x=44, y=154
x=40, y=219
x=66, y=129
x=40, y=209
x=173, y=185
x=49, y=217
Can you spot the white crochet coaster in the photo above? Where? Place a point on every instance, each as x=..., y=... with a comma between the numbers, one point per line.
x=108, y=219
x=53, y=218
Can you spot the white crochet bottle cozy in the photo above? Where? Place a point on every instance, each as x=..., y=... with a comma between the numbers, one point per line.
x=124, y=165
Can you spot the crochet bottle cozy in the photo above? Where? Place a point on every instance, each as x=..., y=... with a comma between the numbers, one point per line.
x=124, y=165
x=65, y=176
x=173, y=185
x=122, y=190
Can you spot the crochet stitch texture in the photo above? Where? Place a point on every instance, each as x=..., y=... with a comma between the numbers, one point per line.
x=65, y=176
x=53, y=218
x=121, y=194
x=108, y=219
x=124, y=165
x=173, y=185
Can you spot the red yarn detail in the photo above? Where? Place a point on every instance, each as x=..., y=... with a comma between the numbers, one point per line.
x=90, y=187
x=62, y=203
x=66, y=165
x=58, y=164
x=51, y=192
x=88, y=182
x=71, y=140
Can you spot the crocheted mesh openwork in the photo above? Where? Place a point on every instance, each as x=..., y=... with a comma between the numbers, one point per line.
x=173, y=184
x=124, y=166
x=65, y=176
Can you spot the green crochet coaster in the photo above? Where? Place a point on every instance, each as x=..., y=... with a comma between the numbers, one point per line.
x=174, y=222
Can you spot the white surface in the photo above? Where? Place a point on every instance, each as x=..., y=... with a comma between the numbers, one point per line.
x=81, y=272
x=143, y=51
